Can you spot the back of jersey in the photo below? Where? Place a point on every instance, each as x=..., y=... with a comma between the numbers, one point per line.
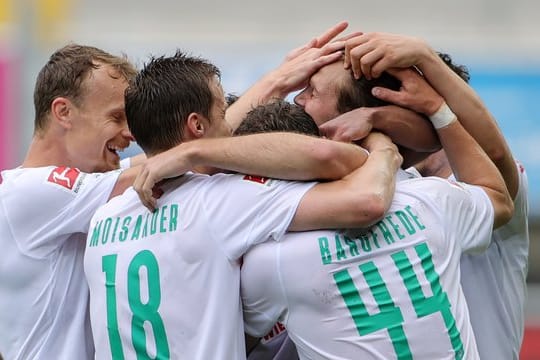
x=388, y=292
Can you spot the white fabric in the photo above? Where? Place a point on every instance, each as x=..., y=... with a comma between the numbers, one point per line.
x=290, y=282
x=203, y=226
x=44, y=215
x=125, y=163
x=494, y=284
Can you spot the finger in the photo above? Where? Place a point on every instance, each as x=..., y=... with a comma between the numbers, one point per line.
x=350, y=44
x=388, y=95
x=140, y=179
x=327, y=59
x=331, y=33
x=367, y=62
x=349, y=36
x=327, y=130
x=332, y=47
x=300, y=50
x=147, y=193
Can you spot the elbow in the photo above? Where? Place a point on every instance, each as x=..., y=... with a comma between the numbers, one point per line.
x=339, y=159
x=368, y=210
x=504, y=211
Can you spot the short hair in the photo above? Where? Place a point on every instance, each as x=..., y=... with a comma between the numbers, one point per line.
x=461, y=70
x=231, y=98
x=64, y=75
x=357, y=93
x=278, y=115
x=163, y=94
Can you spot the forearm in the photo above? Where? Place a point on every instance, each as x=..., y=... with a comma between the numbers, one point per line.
x=137, y=159
x=406, y=128
x=357, y=201
x=264, y=90
x=378, y=175
x=277, y=155
x=472, y=114
x=470, y=164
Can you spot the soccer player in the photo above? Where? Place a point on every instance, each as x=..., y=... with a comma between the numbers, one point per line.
x=46, y=203
x=390, y=291
x=494, y=282
x=166, y=283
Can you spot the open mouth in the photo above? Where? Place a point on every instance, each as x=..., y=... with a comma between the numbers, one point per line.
x=115, y=149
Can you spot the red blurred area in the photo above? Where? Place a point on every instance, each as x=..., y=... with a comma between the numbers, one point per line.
x=9, y=131
x=530, y=349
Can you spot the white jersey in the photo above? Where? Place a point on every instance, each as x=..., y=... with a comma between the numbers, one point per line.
x=389, y=292
x=275, y=345
x=168, y=283
x=494, y=284
x=44, y=216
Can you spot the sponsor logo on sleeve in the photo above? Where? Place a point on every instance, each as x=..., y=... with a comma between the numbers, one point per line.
x=66, y=177
x=258, y=179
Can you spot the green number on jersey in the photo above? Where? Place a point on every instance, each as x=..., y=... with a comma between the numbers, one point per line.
x=142, y=312
x=390, y=316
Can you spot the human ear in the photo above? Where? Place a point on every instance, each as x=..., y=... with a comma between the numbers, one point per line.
x=62, y=112
x=195, y=125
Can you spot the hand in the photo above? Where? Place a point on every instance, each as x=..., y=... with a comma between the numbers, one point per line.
x=376, y=141
x=350, y=126
x=415, y=92
x=165, y=165
x=301, y=63
x=372, y=53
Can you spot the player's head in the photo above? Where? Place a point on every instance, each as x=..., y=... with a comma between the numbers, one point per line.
x=333, y=90
x=175, y=99
x=278, y=115
x=79, y=100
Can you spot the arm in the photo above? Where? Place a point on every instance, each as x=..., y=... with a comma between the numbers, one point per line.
x=405, y=127
x=472, y=114
x=358, y=200
x=373, y=53
x=460, y=147
x=291, y=75
x=277, y=155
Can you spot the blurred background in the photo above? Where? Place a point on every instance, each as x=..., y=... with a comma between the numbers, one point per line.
x=498, y=40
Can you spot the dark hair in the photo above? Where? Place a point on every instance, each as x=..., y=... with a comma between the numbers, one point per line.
x=65, y=73
x=278, y=115
x=231, y=98
x=357, y=93
x=163, y=94
x=461, y=70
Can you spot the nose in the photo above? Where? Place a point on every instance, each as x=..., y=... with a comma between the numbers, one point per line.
x=300, y=99
x=127, y=134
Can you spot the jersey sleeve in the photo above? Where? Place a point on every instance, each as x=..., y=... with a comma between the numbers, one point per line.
x=468, y=215
x=263, y=301
x=55, y=204
x=244, y=210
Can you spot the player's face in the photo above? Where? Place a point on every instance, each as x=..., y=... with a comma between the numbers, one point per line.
x=217, y=126
x=319, y=98
x=100, y=128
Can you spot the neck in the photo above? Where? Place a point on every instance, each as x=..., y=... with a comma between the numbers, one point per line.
x=44, y=151
x=435, y=165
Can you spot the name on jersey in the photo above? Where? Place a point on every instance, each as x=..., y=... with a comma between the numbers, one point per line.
x=128, y=228
x=393, y=227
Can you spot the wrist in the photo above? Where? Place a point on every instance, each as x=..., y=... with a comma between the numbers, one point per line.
x=442, y=117
x=274, y=86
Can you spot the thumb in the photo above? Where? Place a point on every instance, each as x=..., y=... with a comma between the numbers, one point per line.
x=387, y=95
